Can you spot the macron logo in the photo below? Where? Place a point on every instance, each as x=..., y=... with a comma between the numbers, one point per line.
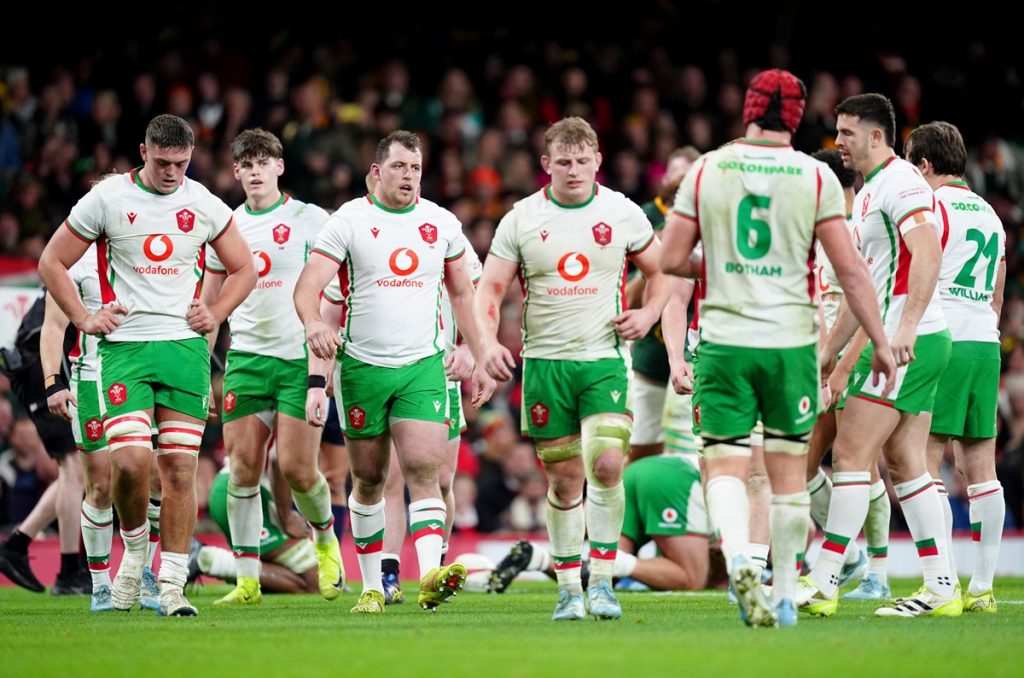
x=616, y=395
x=437, y=405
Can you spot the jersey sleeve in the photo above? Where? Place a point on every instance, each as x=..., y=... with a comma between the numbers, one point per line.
x=213, y=262
x=334, y=239
x=332, y=292
x=686, y=197
x=457, y=245
x=913, y=196
x=506, y=238
x=88, y=215
x=315, y=218
x=220, y=216
x=831, y=203
x=641, y=233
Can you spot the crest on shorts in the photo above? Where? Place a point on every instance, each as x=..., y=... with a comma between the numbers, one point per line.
x=230, y=401
x=281, y=234
x=602, y=233
x=429, y=233
x=94, y=429
x=539, y=414
x=356, y=418
x=117, y=394
x=186, y=220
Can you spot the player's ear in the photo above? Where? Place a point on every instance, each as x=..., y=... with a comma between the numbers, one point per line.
x=545, y=163
x=597, y=160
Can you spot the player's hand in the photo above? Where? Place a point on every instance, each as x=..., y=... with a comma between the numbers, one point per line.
x=883, y=362
x=322, y=340
x=58, y=404
x=903, y=345
x=201, y=319
x=837, y=384
x=103, y=321
x=295, y=526
x=483, y=387
x=826, y=396
x=682, y=378
x=316, y=407
x=212, y=413
x=827, y=360
x=460, y=364
x=634, y=323
x=498, y=362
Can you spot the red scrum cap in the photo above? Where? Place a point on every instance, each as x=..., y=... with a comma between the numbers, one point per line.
x=775, y=101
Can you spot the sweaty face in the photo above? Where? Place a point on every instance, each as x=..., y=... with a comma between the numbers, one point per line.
x=573, y=171
x=163, y=169
x=259, y=176
x=852, y=142
x=399, y=177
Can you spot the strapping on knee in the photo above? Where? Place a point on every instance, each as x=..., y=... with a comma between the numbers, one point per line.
x=180, y=437
x=132, y=429
x=600, y=433
x=786, y=444
x=553, y=453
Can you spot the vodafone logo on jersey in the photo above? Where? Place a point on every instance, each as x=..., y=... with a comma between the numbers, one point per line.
x=157, y=248
x=865, y=206
x=573, y=266
x=186, y=220
x=429, y=233
x=602, y=233
x=263, y=266
x=281, y=234
x=403, y=262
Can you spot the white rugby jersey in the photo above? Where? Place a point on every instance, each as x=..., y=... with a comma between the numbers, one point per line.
x=392, y=264
x=83, y=355
x=280, y=238
x=830, y=290
x=756, y=204
x=973, y=245
x=572, y=265
x=451, y=332
x=882, y=215
x=150, y=249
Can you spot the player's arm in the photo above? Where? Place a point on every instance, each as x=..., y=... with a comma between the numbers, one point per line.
x=64, y=249
x=997, y=293
x=636, y=322
x=673, y=330
x=925, y=261
x=233, y=252
x=321, y=337
x=677, y=242
x=462, y=295
x=213, y=283
x=498, y=274
x=320, y=368
x=51, y=354
x=859, y=297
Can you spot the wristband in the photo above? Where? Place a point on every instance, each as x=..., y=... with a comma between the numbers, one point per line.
x=316, y=381
x=57, y=386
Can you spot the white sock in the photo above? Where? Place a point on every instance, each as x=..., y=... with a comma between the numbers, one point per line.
x=540, y=560
x=153, y=514
x=368, y=535
x=566, y=528
x=876, y=530
x=846, y=514
x=97, y=534
x=789, y=534
x=947, y=533
x=173, y=571
x=426, y=525
x=315, y=507
x=988, y=512
x=922, y=508
x=729, y=510
x=217, y=562
x=135, y=544
x=820, y=489
x=758, y=554
x=604, y=513
x=245, y=522
x=625, y=563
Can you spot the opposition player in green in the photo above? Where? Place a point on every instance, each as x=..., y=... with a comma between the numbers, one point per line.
x=655, y=426
x=894, y=222
x=569, y=244
x=393, y=250
x=757, y=206
x=266, y=380
x=151, y=227
x=664, y=505
x=971, y=294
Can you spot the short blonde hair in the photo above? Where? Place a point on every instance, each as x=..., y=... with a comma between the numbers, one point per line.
x=572, y=132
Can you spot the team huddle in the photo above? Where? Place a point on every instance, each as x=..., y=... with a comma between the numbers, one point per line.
x=822, y=320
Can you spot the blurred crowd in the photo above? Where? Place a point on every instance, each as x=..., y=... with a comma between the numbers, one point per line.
x=481, y=102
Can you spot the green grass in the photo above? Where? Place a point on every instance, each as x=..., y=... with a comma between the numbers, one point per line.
x=507, y=635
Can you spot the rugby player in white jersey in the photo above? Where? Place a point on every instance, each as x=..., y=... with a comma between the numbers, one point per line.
x=393, y=251
x=569, y=245
x=971, y=294
x=758, y=205
x=266, y=379
x=151, y=227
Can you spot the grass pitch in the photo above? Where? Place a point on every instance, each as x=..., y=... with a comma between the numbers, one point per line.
x=505, y=635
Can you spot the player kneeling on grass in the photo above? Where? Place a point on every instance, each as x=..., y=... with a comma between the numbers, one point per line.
x=664, y=504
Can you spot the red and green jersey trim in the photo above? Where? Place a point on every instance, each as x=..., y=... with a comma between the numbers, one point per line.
x=75, y=232
x=564, y=205
x=267, y=210
x=325, y=253
x=873, y=173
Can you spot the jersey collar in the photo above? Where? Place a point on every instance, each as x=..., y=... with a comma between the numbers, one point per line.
x=282, y=200
x=136, y=175
x=551, y=196
x=885, y=163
